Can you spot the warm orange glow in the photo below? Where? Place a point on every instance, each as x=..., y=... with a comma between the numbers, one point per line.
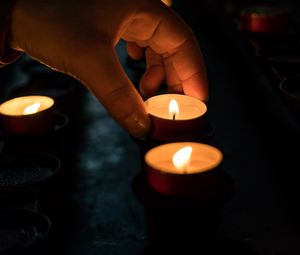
x=203, y=157
x=31, y=109
x=190, y=107
x=167, y=2
x=182, y=158
x=17, y=106
x=173, y=109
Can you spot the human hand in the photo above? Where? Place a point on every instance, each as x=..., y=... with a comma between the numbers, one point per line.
x=79, y=37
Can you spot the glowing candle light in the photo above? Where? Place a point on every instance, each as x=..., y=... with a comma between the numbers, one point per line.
x=182, y=158
x=31, y=109
x=265, y=19
x=27, y=115
x=182, y=169
x=176, y=117
x=173, y=109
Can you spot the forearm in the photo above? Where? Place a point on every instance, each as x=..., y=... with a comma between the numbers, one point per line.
x=7, y=54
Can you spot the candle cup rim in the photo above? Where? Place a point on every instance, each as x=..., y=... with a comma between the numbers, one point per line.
x=178, y=120
x=285, y=88
x=161, y=171
x=180, y=96
x=166, y=171
x=175, y=95
x=52, y=102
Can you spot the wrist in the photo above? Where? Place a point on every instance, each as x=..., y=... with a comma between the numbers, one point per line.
x=7, y=53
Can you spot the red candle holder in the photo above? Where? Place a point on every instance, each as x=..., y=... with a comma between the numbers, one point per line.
x=201, y=175
x=265, y=19
x=188, y=123
x=22, y=116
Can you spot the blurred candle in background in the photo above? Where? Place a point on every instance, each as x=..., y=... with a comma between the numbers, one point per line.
x=27, y=115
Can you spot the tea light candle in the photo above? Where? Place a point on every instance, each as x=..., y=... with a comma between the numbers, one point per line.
x=265, y=19
x=183, y=169
x=27, y=115
x=175, y=117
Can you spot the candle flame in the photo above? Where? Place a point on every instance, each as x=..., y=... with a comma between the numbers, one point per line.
x=33, y=108
x=182, y=158
x=173, y=108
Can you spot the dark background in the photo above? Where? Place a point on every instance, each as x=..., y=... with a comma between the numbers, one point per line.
x=91, y=202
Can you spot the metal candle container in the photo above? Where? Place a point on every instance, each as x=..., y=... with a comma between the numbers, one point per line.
x=265, y=19
x=188, y=123
x=29, y=115
x=200, y=175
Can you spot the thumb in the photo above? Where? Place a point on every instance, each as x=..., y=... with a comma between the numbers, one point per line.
x=101, y=71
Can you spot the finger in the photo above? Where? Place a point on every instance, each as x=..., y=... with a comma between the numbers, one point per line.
x=154, y=74
x=107, y=80
x=134, y=51
x=190, y=69
x=168, y=35
x=173, y=81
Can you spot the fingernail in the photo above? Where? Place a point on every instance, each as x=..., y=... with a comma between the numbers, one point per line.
x=138, y=124
x=142, y=92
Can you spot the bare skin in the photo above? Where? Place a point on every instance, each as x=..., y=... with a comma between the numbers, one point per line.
x=79, y=38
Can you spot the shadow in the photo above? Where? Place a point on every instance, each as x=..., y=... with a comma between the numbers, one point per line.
x=182, y=225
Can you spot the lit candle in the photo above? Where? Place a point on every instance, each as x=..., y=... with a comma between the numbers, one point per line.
x=265, y=19
x=183, y=169
x=176, y=117
x=27, y=115
x=31, y=109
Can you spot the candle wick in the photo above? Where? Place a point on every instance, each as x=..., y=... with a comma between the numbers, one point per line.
x=185, y=170
x=174, y=116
